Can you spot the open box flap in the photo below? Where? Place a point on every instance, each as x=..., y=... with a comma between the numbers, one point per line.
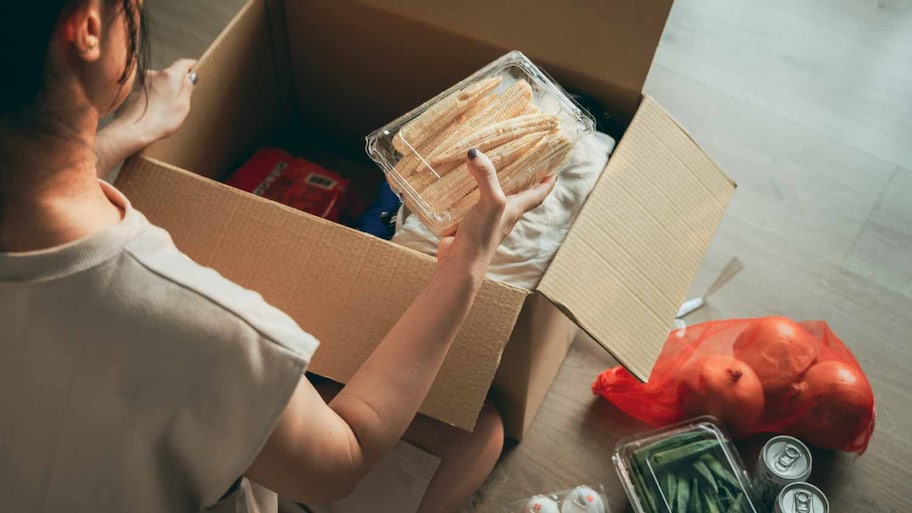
x=612, y=41
x=345, y=287
x=632, y=253
x=245, y=49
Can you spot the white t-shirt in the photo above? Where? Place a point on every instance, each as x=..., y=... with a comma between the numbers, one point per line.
x=133, y=379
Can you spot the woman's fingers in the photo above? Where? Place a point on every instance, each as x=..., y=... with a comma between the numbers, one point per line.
x=482, y=170
x=179, y=73
x=533, y=197
x=491, y=192
x=182, y=66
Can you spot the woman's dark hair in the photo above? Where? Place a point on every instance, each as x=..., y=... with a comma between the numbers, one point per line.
x=26, y=29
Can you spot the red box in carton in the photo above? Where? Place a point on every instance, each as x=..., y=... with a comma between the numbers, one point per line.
x=275, y=174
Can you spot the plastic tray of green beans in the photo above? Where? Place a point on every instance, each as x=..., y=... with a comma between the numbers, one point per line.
x=690, y=467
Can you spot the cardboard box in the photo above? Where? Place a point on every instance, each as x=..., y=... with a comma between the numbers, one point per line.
x=326, y=73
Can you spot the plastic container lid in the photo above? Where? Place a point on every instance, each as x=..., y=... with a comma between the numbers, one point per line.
x=661, y=470
x=510, y=109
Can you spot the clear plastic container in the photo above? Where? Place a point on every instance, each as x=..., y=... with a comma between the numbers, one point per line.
x=510, y=109
x=653, y=468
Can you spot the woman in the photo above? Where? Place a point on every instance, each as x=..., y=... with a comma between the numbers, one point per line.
x=132, y=379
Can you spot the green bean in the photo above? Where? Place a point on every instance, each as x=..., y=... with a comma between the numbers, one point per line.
x=685, y=472
x=683, y=453
x=725, y=496
x=705, y=473
x=695, y=506
x=644, y=471
x=640, y=461
x=712, y=505
x=671, y=442
x=683, y=495
x=737, y=505
x=671, y=485
x=721, y=472
x=645, y=492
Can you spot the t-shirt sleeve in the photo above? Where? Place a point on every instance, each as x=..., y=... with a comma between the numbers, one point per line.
x=237, y=363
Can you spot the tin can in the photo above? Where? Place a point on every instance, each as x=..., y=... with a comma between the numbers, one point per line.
x=783, y=460
x=802, y=498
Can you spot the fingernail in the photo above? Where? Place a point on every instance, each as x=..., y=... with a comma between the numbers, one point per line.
x=473, y=153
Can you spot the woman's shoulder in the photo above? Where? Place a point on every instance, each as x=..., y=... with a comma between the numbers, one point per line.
x=177, y=290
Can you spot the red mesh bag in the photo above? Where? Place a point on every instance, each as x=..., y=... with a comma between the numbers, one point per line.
x=769, y=374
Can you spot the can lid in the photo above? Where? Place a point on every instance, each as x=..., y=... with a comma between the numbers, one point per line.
x=787, y=458
x=802, y=498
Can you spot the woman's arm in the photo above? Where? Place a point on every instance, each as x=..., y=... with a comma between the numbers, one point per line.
x=152, y=113
x=318, y=452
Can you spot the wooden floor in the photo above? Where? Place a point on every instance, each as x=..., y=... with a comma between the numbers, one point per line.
x=808, y=106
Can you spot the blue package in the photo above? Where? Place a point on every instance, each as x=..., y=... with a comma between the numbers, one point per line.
x=380, y=217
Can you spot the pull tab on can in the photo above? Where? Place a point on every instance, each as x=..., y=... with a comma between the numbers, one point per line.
x=803, y=502
x=801, y=498
x=787, y=457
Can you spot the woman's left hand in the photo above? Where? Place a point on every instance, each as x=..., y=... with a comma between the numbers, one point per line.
x=160, y=108
x=149, y=114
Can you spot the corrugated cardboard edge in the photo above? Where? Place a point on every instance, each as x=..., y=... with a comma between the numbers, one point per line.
x=532, y=359
x=281, y=54
x=334, y=281
x=634, y=249
x=242, y=62
x=612, y=41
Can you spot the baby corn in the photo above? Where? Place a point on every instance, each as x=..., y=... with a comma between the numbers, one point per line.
x=510, y=176
x=496, y=135
x=424, y=177
x=476, y=108
x=438, y=116
x=459, y=181
x=510, y=103
x=556, y=145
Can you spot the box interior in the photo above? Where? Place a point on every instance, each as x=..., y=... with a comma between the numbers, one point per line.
x=315, y=77
x=360, y=53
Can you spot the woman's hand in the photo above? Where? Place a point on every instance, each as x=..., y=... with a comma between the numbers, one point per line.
x=490, y=220
x=149, y=114
x=160, y=108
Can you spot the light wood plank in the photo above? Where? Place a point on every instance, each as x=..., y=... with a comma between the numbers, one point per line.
x=883, y=250
x=839, y=68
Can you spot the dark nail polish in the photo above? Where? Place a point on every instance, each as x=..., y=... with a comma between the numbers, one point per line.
x=473, y=153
